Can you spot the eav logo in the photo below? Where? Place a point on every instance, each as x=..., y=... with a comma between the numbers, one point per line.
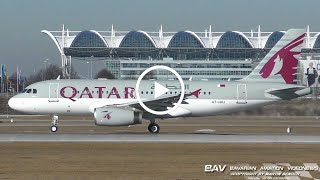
x=214, y=168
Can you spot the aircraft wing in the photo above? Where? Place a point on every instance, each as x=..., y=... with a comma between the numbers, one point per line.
x=161, y=103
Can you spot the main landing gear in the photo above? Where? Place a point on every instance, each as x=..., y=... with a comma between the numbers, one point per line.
x=54, y=127
x=153, y=128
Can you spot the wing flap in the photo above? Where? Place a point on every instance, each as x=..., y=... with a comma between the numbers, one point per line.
x=161, y=103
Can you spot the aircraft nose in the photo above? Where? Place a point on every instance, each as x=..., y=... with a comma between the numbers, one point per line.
x=12, y=103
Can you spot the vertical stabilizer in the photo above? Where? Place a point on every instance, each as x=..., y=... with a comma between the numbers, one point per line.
x=281, y=63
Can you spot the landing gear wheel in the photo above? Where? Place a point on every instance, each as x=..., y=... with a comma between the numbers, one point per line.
x=54, y=128
x=153, y=128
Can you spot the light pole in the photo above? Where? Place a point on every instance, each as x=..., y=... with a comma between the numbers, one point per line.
x=91, y=69
x=88, y=70
x=91, y=65
x=45, y=69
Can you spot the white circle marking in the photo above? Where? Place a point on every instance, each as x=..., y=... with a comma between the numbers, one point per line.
x=160, y=112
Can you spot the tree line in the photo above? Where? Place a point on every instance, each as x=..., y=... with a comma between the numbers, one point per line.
x=53, y=71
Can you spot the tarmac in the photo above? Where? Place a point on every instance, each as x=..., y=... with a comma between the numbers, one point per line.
x=159, y=138
x=225, y=129
x=81, y=150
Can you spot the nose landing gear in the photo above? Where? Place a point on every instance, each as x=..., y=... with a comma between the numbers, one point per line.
x=54, y=127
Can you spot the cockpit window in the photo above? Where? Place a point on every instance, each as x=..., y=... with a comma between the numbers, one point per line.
x=29, y=91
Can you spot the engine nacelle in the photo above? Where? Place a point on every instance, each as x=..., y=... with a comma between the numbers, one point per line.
x=116, y=117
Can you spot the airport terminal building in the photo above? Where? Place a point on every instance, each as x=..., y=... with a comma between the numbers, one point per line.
x=211, y=55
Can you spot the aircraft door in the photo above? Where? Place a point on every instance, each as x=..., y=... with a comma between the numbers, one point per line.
x=53, y=92
x=242, y=94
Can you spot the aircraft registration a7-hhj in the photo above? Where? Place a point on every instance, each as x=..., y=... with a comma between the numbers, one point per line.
x=126, y=102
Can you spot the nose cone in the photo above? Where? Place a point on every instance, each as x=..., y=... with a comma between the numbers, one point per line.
x=19, y=104
x=12, y=103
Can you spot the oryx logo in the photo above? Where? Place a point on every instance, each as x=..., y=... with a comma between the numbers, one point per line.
x=108, y=115
x=284, y=62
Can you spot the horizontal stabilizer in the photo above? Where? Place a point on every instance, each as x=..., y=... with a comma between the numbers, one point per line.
x=291, y=93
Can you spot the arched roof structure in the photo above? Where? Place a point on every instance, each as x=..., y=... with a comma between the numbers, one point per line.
x=273, y=39
x=89, y=39
x=317, y=42
x=234, y=39
x=137, y=39
x=185, y=39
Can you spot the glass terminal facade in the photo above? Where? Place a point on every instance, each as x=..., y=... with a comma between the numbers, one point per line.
x=208, y=55
x=185, y=39
x=233, y=40
x=317, y=42
x=137, y=39
x=88, y=39
x=273, y=39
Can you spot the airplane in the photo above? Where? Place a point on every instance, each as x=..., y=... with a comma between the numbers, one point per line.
x=114, y=103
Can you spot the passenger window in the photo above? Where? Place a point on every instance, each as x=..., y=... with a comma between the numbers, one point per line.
x=34, y=91
x=29, y=91
x=204, y=93
x=146, y=92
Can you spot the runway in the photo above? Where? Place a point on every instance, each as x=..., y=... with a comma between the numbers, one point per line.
x=159, y=138
x=224, y=129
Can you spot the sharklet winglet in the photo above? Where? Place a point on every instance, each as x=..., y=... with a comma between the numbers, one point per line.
x=196, y=93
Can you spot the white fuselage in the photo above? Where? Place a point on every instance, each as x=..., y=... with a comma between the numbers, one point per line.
x=195, y=107
x=79, y=97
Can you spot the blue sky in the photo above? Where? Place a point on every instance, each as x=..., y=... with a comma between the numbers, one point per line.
x=22, y=44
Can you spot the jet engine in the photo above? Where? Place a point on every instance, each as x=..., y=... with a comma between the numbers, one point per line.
x=116, y=117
